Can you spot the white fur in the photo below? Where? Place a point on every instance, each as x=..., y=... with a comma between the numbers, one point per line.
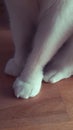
x=53, y=23
x=61, y=65
x=30, y=88
x=54, y=77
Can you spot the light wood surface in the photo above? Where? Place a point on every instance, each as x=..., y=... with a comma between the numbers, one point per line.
x=52, y=109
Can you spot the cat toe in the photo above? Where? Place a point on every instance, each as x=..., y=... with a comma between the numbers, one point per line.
x=47, y=76
x=21, y=89
x=56, y=78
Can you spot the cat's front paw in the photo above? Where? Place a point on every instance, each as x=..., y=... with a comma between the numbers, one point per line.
x=25, y=89
x=12, y=68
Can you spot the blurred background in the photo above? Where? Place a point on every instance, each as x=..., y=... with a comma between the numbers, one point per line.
x=3, y=15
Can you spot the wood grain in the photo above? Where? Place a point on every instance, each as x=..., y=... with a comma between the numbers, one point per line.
x=52, y=109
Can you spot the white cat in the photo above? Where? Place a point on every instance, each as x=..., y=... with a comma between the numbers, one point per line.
x=42, y=33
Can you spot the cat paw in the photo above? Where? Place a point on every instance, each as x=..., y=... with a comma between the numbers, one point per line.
x=56, y=76
x=12, y=68
x=25, y=90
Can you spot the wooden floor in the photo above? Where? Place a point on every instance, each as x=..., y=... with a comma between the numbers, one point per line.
x=52, y=109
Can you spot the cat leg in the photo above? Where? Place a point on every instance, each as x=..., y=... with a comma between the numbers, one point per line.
x=22, y=32
x=61, y=65
x=47, y=41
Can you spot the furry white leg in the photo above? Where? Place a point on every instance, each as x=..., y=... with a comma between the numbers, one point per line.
x=61, y=66
x=28, y=89
x=12, y=68
x=21, y=28
x=48, y=38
